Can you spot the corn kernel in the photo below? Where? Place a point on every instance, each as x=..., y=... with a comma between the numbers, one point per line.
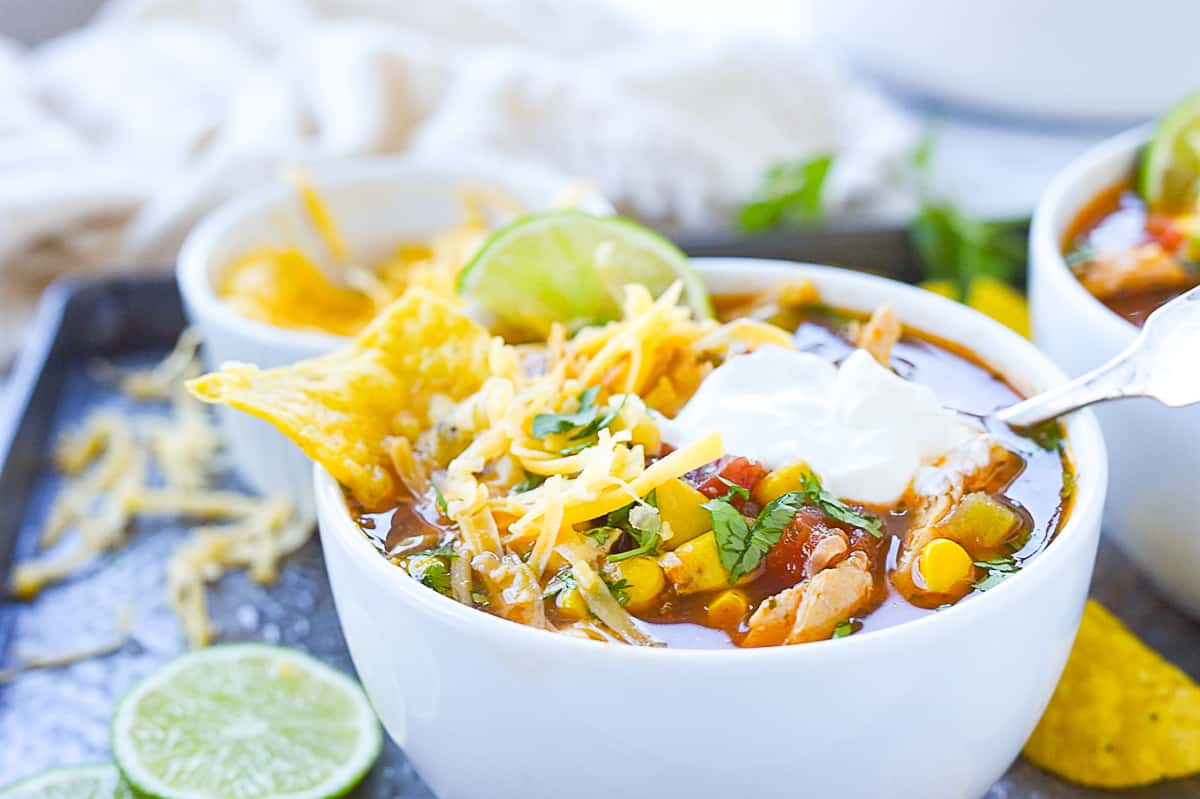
x=780, y=481
x=680, y=506
x=643, y=582
x=571, y=604
x=696, y=566
x=944, y=565
x=727, y=609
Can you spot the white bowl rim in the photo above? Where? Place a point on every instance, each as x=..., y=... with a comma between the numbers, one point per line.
x=192, y=268
x=1045, y=243
x=1083, y=431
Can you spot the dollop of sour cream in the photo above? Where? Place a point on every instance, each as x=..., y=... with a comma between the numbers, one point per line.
x=864, y=431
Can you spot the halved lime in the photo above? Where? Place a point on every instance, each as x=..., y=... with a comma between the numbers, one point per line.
x=1169, y=176
x=80, y=782
x=245, y=720
x=570, y=267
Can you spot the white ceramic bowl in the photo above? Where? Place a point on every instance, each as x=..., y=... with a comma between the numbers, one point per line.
x=1154, y=495
x=377, y=204
x=487, y=707
x=1117, y=61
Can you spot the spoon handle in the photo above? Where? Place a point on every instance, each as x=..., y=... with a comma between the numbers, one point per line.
x=1116, y=379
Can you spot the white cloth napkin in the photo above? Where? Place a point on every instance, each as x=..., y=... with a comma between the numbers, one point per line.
x=115, y=138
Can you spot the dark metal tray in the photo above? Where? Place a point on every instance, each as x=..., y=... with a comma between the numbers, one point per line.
x=60, y=717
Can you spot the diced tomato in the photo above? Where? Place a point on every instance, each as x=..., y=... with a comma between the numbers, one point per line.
x=784, y=563
x=737, y=470
x=1165, y=230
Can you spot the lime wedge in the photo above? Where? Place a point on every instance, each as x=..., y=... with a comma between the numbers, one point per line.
x=245, y=720
x=570, y=267
x=81, y=782
x=1169, y=176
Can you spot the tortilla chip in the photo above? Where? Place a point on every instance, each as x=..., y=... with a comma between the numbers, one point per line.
x=1121, y=715
x=343, y=408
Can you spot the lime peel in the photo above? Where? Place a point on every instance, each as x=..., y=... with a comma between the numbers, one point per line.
x=77, y=782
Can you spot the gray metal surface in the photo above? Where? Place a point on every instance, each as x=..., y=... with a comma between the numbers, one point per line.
x=60, y=717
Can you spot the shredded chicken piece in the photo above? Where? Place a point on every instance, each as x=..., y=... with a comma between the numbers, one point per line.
x=829, y=547
x=812, y=609
x=880, y=334
x=1147, y=267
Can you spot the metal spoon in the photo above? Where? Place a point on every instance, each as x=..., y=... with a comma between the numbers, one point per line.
x=1163, y=363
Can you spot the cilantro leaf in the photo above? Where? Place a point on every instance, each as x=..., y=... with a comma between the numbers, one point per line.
x=562, y=581
x=443, y=551
x=437, y=494
x=790, y=195
x=602, y=533
x=545, y=424
x=834, y=508
x=530, y=482
x=734, y=489
x=998, y=569
x=620, y=590
x=593, y=427
x=742, y=546
x=643, y=522
x=432, y=573
x=1048, y=436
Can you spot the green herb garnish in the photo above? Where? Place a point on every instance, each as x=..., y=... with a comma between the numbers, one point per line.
x=734, y=489
x=843, y=629
x=601, y=534
x=433, y=573
x=562, y=581
x=619, y=590
x=834, y=508
x=643, y=523
x=743, y=545
x=999, y=569
x=437, y=495
x=443, y=551
x=1048, y=436
x=583, y=425
x=530, y=482
x=545, y=424
x=790, y=195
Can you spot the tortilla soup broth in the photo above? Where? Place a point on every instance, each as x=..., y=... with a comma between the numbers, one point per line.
x=1025, y=495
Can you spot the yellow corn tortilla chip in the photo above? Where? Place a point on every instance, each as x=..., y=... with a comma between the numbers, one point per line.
x=343, y=408
x=1121, y=715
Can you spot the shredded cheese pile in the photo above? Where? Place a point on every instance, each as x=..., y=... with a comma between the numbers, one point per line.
x=107, y=463
x=323, y=287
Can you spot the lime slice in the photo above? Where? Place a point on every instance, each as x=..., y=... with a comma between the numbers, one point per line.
x=570, y=267
x=245, y=720
x=81, y=782
x=1170, y=171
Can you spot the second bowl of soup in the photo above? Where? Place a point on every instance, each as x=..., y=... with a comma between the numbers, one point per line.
x=1102, y=258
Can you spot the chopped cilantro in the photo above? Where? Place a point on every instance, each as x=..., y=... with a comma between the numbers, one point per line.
x=584, y=424
x=437, y=495
x=575, y=449
x=742, y=546
x=843, y=629
x=790, y=194
x=602, y=533
x=644, y=523
x=1068, y=489
x=443, y=551
x=530, y=482
x=562, y=581
x=1080, y=254
x=734, y=489
x=432, y=573
x=1048, y=436
x=834, y=508
x=998, y=570
x=590, y=429
x=619, y=590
